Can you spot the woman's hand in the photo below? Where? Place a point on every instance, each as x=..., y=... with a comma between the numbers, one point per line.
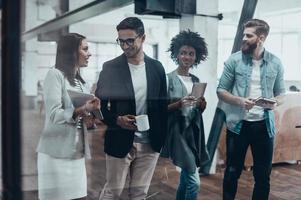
x=188, y=101
x=84, y=110
x=93, y=104
x=202, y=104
x=92, y=122
x=185, y=101
x=89, y=120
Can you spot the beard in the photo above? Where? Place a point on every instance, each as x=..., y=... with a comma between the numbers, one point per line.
x=129, y=53
x=132, y=52
x=248, y=48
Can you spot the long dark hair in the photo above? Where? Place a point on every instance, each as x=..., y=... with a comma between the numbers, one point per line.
x=67, y=56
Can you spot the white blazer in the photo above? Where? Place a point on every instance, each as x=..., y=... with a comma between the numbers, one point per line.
x=58, y=139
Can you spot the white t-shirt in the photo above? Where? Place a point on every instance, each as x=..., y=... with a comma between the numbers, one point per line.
x=187, y=81
x=139, y=81
x=256, y=113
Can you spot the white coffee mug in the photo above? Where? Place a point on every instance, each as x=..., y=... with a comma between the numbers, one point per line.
x=142, y=122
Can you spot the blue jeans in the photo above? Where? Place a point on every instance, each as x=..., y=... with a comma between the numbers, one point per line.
x=189, y=185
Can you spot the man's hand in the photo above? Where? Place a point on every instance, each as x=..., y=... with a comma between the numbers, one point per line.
x=127, y=122
x=246, y=103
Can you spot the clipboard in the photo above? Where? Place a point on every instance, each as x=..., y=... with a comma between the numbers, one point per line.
x=79, y=99
x=198, y=89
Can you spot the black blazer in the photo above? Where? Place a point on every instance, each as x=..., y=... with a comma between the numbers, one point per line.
x=115, y=89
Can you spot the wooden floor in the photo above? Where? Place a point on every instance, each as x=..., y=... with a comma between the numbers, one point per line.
x=285, y=178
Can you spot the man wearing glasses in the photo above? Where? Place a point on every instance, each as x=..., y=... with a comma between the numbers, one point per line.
x=130, y=85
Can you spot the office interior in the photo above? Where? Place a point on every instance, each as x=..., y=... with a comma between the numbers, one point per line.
x=218, y=21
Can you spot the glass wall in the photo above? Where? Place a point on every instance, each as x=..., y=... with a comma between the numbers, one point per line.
x=0, y=107
x=38, y=56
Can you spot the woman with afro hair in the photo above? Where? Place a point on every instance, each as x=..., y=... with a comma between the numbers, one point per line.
x=185, y=142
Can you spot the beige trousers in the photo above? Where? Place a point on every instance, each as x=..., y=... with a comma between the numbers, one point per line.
x=139, y=165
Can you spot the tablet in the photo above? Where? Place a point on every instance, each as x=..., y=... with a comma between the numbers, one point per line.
x=265, y=102
x=198, y=89
x=79, y=98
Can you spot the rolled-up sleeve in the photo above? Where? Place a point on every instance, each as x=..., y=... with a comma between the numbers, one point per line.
x=227, y=79
x=279, y=87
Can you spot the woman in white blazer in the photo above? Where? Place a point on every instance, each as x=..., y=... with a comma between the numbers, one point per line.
x=63, y=146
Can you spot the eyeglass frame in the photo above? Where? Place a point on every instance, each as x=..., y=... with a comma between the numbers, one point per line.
x=128, y=41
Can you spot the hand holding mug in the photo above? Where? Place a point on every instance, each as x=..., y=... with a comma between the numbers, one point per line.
x=142, y=122
x=127, y=122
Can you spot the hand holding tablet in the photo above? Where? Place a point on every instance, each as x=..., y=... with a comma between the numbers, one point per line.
x=198, y=89
x=265, y=102
x=79, y=98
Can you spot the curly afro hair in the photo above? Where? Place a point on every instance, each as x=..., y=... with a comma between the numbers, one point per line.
x=192, y=39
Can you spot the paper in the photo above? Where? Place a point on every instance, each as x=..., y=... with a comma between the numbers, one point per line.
x=198, y=89
x=265, y=102
x=79, y=99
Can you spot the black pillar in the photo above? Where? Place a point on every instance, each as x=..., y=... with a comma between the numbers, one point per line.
x=10, y=97
x=247, y=13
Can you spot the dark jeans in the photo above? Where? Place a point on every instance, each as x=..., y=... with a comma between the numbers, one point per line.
x=254, y=134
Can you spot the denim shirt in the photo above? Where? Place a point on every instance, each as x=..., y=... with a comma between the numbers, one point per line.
x=236, y=79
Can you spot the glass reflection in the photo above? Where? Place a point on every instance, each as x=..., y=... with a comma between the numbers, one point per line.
x=39, y=56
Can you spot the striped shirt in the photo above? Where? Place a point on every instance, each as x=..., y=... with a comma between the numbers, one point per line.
x=78, y=87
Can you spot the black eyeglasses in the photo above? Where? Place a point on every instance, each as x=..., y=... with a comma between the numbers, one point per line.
x=129, y=41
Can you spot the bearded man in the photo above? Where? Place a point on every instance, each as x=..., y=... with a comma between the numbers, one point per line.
x=248, y=74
